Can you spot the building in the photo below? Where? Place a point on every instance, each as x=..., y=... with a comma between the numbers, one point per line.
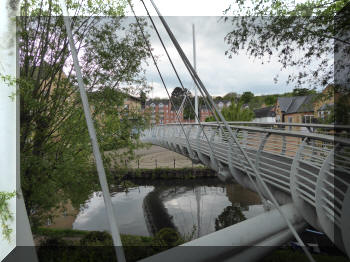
x=324, y=105
x=265, y=115
x=296, y=109
x=161, y=112
x=204, y=111
x=132, y=102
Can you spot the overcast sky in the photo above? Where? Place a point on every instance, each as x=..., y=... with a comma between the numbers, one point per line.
x=219, y=74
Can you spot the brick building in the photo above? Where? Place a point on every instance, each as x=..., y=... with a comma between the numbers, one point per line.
x=161, y=112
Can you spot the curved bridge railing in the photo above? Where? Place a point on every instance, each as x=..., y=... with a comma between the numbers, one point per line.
x=298, y=163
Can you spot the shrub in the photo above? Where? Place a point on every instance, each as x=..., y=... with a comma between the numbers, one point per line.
x=97, y=238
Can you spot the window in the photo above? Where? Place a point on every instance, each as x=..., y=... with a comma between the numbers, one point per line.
x=278, y=118
x=308, y=119
x=290, y=120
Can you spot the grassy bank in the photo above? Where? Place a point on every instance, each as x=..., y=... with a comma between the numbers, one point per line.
x=165, y=173
x=78, y=246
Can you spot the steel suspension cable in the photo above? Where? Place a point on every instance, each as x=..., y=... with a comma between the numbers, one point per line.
x=205, y=100
x=161, y=77
x=257, y=175
x=179, y=79
x=166, y=51
x=96, y=151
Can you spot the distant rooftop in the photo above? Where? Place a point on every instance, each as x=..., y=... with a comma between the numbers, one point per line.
x=265, y=112
x=296, y=104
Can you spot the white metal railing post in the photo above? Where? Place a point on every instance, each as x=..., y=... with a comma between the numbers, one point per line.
x=298, y=180
x=326, y=224
x=257, y=165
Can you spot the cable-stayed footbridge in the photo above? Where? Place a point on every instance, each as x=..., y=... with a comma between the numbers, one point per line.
x=301, y=176
x=307, y=170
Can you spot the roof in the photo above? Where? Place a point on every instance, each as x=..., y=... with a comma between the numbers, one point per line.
x=325, y=107
x=164, y=101
x=132, y=97
x=265, y=112
x=296, y=104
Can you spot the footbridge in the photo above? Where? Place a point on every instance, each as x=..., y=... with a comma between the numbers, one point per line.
x=305, y=166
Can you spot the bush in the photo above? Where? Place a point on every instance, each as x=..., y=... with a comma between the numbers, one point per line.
x=168, y=237
x=97, y=238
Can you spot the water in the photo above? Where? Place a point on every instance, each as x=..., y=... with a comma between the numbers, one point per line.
x=197, y=207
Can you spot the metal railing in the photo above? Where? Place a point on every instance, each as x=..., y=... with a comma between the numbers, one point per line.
x=306, y=167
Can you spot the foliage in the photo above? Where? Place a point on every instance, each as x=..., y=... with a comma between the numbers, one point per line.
x=97, y=238
x=303, y=92
x=246, y=97
x=177, y=97
x=168, y=237
x=5, y=214
x=56, y=155
x=98, y=246
x=235, y=112
x=168, y=173
x=231, y=96
x=270, y=100
x=230, y=215
x=304, y=35
x=217, y=98
x=57, y=232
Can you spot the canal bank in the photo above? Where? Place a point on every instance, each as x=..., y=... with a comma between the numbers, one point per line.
x=164, y=173
x=143, y=209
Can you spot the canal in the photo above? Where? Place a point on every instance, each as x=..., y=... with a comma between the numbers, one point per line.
x=193, y=207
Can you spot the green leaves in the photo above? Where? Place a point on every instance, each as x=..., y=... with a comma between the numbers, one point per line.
x=305, y=36
x=5, y=214
x=56, y=154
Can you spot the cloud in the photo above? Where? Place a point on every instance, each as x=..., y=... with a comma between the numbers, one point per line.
x=219, y=73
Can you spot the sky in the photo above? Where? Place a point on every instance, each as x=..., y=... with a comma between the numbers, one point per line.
x=219, y=74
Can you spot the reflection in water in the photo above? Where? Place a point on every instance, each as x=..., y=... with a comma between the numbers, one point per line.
x=128, y=209
x=206, y=204
x=231, y=215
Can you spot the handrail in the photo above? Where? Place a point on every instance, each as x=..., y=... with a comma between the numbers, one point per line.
x=299, y=166
x=326, y=126
x=316, y=136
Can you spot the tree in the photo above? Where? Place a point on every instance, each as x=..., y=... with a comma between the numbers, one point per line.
x=177, y=97
x=143, y=98
x=270, y=100
x=317, y=29
x=56, y=153
x=230, y=96
x=303, y=92
x=246, y=97
x=230, y=215
x=235, y=112
x=217, y=98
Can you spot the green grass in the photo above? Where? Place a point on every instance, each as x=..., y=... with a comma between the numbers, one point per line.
x=98, y=246
x=55, y=232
